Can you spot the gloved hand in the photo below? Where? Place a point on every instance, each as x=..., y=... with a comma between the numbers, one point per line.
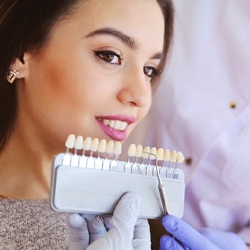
x=123, y=231
x=185, y=237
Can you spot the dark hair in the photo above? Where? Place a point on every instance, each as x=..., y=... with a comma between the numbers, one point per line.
x=26, y=25
x=168, y=13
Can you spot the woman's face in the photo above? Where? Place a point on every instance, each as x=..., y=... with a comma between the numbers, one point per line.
x=94, y=75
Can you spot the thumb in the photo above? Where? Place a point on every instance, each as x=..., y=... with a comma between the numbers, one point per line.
x=127, y=211
x=120, y=236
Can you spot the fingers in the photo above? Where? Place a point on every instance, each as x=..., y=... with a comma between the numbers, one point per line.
x=168, y=242
x=120, y=236
x=78, y=232
x=142, y=229
x=96, y=227
x=142, y=238
x=224, y=240
x=108, y=221
x=186, y=234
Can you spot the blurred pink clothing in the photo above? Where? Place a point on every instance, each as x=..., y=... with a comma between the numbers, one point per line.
x=202, y=108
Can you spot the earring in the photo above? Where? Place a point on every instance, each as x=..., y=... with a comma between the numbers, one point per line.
x=12, y=75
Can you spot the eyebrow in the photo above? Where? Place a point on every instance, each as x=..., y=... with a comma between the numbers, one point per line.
x=127, y=40
x=157, y=56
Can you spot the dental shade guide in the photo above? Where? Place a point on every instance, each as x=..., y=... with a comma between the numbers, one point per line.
x=92, y=181
x=101, y=149
x=93, y=148
x=78, y=146
x=69, y=144
x=86, y=147
x=116, y=151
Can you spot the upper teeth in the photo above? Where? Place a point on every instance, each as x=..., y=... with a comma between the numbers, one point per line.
x=116, y=124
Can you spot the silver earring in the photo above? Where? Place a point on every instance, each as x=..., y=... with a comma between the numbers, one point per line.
x=12, y=75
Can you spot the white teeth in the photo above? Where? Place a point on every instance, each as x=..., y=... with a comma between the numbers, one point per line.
x=123, y=125
x=116, y=124
x=106, y=122
x=112, y=123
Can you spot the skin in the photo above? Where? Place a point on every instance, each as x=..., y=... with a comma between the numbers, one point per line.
x=70, y=85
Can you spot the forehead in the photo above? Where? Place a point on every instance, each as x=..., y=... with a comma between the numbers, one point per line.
x=135, y=17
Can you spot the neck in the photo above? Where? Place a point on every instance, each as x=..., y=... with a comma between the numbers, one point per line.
x=25, y=170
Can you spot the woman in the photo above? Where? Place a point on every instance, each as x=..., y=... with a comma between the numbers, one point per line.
x=66, y=66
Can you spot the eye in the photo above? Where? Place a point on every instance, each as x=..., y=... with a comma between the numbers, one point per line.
x=150, y=72
x=109, y=56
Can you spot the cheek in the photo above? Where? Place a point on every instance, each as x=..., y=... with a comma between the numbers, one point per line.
x=144, y=111
x=141, y=114
x=51, y=95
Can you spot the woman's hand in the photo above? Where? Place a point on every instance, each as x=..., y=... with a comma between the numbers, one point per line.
x=122, y=231
x=185, y=237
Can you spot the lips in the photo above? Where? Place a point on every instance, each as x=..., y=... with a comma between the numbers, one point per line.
x=115, y=126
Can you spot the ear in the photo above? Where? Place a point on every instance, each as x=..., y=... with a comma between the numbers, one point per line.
x=22, y=65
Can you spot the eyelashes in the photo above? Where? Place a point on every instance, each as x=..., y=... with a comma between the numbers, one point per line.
x=109, y=56
x=151, y=72
x=112, y=57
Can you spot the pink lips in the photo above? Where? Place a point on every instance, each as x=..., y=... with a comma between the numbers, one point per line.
x=118, y=135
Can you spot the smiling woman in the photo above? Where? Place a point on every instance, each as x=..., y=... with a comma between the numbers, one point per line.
x=83, y=67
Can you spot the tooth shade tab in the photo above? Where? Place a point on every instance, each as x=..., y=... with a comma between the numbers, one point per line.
x=145, y=153
x=70, y=142
x=138, y=151
x=117, y=148
x=102, y=146
x=94, y=145
x=153, y=154
x=79, y=142
x=160, y=154
x=173, y=156
x=110, y=147
x=131, y=150
x=87, y=143
x=180, y=157
x=167, y=155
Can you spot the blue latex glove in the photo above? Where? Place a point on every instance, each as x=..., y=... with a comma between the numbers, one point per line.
x=123, y=231
x=185, y=237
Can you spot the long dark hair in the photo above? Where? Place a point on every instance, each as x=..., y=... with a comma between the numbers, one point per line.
x=26, y=25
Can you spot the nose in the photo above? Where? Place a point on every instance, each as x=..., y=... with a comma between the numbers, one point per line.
x=136, y=88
